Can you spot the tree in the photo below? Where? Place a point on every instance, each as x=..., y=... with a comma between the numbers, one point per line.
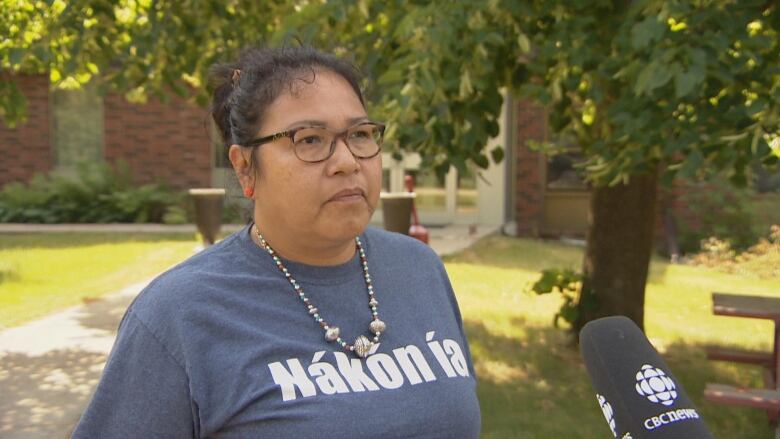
x=646, y=89
x=136, y=47
x=650, y=89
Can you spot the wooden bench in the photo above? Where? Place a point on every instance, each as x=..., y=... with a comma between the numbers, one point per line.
x=768, y=399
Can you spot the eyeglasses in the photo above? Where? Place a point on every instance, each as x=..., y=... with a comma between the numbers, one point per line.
x=315, y=144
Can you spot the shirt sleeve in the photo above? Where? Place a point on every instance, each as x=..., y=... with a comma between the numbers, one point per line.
x=144, y=391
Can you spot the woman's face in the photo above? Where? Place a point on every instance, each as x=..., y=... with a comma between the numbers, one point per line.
x=330, y=201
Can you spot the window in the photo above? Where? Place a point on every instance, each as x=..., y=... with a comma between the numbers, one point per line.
x=561, y=173
x=77, y=125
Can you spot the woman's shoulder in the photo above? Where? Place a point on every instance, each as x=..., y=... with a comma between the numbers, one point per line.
x=385, y=237
x=190, y=282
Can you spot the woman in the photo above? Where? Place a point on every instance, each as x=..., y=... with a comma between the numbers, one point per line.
x=306, y=323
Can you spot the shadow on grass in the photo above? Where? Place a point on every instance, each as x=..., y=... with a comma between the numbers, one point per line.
x=8, y=274
x=692, y=368
x=534, y=385
x=534, y=255
x=529, y=254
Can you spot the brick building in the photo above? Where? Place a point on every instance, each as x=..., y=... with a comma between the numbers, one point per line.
x=170, y=142
x=160, y=142
x=27, y=149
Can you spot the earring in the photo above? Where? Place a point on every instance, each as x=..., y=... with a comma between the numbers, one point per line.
x=249, y=192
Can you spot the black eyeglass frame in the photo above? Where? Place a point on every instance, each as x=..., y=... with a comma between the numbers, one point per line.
x=290, y=134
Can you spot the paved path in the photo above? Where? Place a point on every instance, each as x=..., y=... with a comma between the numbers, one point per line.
x=49, y=367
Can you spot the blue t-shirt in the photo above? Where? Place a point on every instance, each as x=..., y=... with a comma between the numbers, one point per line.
x=222, y=346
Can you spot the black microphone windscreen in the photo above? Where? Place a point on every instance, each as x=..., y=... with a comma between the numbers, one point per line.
x=638, y=394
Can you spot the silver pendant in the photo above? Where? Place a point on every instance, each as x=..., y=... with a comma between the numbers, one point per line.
x=362, y=346
x=332, y=333
x=377, y=326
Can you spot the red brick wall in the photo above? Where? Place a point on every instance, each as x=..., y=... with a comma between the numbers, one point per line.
x=531, y=125
x=160, y=142
x=530, y=180
x=26, y=149
x=672, y=211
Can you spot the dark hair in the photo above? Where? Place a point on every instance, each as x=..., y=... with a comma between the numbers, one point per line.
x=242, y=91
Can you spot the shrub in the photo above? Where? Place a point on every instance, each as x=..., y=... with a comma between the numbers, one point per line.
x=175, y=215
x=97, y=194
x=568, y=283
x=715, y=209
x=759, y=260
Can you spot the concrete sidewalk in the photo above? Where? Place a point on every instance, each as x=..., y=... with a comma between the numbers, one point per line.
x=49, y=367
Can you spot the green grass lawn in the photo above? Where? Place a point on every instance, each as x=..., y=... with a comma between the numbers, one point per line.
x=532, y=383
x=42, y=273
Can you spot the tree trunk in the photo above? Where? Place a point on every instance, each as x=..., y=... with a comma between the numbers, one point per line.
x=617, y=255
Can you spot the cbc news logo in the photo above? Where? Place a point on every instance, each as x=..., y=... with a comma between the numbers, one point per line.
x=653, y=383
x=609, y=414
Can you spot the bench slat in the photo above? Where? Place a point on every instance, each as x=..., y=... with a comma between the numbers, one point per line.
x=739, y=355
x=759, y=398
x=762, y=307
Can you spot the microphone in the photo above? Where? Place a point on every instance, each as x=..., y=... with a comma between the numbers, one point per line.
x=638, y=394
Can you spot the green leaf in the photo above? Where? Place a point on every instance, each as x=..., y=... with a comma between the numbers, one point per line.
x=497, y=154
x=692, y=165
x=16, y=55
x=466, y=87
x=647, y=31
x=654, y=76
x=524, y=43
x=546, y=282
x=391, y=76
x=54, y=75
x=642, y=84
x=770, y=160
x=568, y=313
x=685, y=82
x=481, y=160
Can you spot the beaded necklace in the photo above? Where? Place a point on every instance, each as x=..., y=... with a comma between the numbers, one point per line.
x=362, y=346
